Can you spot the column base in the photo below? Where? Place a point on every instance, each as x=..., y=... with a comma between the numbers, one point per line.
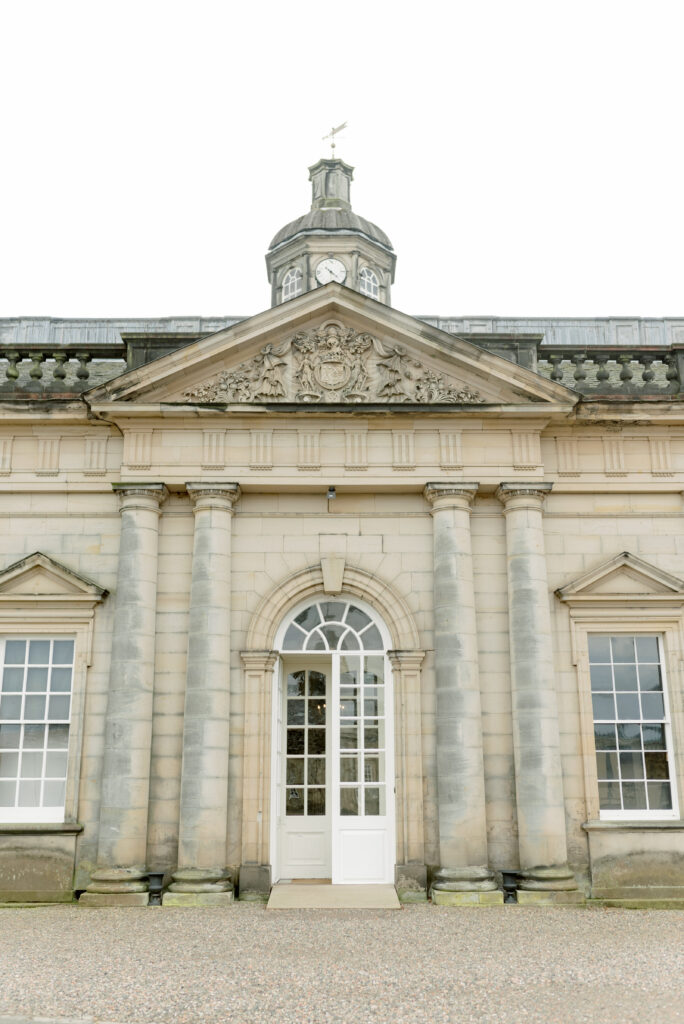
x=118, y=882
x=470, y=879
x=551, y=898
x=491, y=898
x=556, y=878
x=197, y=899
x=114, y=899
x=201, y=881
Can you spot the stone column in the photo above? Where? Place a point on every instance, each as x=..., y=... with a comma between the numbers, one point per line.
x=460, y=769
x=410, y=870
x=538, y=779
x=121, y=875
x=203, y=824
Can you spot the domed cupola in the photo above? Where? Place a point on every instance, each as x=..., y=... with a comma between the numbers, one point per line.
x=330, y=243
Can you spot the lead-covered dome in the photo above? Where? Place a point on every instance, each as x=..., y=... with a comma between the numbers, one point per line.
x=327, y=219
x=330, y=208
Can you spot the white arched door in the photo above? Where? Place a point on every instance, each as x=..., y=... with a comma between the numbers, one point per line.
x=333, y=738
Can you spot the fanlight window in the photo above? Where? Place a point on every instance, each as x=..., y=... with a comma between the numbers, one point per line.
x=370, y=285
x=292, y=283
x=332, y=626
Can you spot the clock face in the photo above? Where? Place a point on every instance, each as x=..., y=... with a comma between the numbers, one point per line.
x=331, y=270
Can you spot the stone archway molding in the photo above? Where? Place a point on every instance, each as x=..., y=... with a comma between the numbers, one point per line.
x=310, y=582
x=259, y=659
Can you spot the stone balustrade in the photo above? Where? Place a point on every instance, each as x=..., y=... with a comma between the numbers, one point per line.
x=592, y=371
x=59, y=372
x=614, y=372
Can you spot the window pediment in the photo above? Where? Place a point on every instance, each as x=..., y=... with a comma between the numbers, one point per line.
x=39, y=578
x=623, y=579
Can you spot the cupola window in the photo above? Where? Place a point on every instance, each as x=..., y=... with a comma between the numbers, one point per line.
x=292, y=283
x=369, y=283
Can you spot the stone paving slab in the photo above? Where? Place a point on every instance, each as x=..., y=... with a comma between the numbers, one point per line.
x=290, y=896
x=418, y=965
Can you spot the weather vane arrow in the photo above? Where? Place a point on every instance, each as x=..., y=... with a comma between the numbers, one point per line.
x=331, y=135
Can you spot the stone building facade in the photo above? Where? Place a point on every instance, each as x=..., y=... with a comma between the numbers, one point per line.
x=337, y=592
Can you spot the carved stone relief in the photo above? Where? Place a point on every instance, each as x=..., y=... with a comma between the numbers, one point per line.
x=332, y=363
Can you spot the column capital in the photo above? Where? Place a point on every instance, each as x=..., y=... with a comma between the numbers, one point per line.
x=213, y=495
x=141, y=495
x=258, y=661
x=402, y=661
x=533, y=493
x=450, y=494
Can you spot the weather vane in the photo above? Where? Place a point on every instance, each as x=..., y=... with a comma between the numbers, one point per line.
x=331, y=135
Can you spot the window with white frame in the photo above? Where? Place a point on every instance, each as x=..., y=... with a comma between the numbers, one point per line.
x=631, y=726
x=292, y=283
x=35, y=708
x=369, y=283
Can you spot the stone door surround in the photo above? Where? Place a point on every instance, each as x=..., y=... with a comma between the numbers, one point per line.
x=259, y=659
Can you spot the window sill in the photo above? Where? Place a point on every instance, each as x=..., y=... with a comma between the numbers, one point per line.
x=21, y=828
x=625, y=825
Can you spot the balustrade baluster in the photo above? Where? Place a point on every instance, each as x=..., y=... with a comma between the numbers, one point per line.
x=83, y=359
x=603, y=373
x=580, y=373
x=60, y=370
x=36, y=371
x=672, y=372
x=626, y=373
x=12, y=359
x=648, y=374
x=556, y=370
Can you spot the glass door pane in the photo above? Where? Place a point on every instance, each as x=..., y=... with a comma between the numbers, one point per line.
x=305, y=743
x=361, y=735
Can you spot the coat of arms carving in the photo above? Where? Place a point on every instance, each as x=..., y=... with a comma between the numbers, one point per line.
x=332, y=363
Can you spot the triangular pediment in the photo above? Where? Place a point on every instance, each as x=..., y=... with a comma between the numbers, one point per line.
x=623, y=577
x=38, y=576
x=332, y=346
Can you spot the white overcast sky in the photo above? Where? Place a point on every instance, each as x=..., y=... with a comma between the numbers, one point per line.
x=525, y=158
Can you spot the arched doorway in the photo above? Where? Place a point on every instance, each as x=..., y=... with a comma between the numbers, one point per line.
x=333, y=744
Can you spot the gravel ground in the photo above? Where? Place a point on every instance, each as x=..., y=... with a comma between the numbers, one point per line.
x=246, y=965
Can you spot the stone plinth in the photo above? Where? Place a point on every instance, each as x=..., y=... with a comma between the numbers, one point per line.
x=441, y=898
x=550, y=898
x=197, y=899
x=114, y=899
x=37, y=862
